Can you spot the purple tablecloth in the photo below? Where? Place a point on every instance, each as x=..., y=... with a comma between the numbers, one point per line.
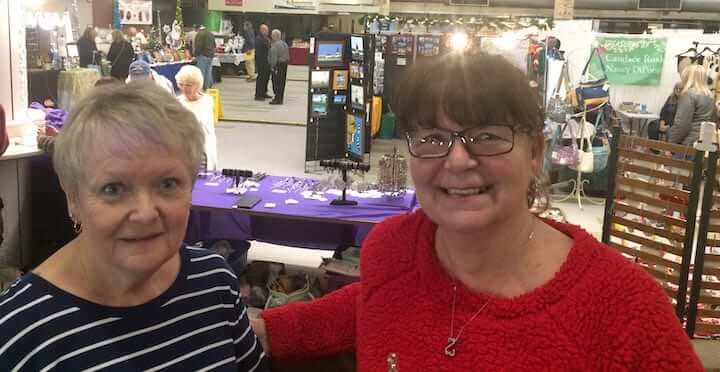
x=309, y=224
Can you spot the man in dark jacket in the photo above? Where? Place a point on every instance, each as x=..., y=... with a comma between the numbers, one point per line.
x=262, y=50
x=204, y=54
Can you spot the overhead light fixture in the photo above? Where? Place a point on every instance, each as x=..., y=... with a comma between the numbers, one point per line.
x=459, y=41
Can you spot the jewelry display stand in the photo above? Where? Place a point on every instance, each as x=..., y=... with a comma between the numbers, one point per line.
x=344, y=166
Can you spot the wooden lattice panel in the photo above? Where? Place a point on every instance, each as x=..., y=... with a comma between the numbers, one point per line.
x=708, y=315
x=648, y=216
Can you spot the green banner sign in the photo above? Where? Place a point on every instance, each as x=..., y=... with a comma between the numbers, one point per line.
x=630, y=60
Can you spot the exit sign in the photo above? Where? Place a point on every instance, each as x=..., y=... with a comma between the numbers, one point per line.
x=234, y=2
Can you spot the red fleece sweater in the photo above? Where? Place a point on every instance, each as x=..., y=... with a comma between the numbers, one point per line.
x=599, y=312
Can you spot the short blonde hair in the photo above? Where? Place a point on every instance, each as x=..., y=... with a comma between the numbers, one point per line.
x=117, y=36
x=190, y=74
x=132, y=115
x=696, y=77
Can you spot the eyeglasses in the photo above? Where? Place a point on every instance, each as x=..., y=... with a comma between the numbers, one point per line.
x=488, y=140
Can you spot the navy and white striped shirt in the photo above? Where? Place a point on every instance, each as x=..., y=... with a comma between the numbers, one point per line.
x=198, y=324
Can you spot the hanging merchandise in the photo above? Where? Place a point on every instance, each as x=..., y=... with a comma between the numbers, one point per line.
x=592, y=93
x=562, y=154
x=557, y=109
x=585, y=156
x=630, y=60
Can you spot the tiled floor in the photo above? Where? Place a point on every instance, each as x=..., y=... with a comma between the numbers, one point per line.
x=239, y=104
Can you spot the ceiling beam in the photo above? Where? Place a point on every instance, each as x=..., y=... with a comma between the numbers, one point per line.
x=443, y=9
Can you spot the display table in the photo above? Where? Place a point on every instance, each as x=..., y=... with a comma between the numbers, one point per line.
x=308, y=224
x=642, y=120
x=228, y=58
x=299, y=56
x=43, y=84
x=169, y=69
x=73, y=84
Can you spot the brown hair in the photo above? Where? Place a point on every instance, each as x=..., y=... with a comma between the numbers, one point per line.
x=117, y=36
x=89, y=33
x=472, y=89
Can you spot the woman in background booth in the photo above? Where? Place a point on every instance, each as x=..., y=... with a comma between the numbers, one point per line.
x=658, y=129
x=126, y=294
x=473, y=280
x=87, y=49
x=190, y=82
x=695, y=105
x=121, y=55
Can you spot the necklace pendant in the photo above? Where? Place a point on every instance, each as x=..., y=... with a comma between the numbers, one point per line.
x=450, y=348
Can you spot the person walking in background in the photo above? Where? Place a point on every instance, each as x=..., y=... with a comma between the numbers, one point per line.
x=204, y=54
x=190, y=39
x=87, y=49
x=278, y=59
x=262, y=49
x=121, y=55
x=248, y=49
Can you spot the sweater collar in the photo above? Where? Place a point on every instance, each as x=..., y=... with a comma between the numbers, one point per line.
x=439, y=283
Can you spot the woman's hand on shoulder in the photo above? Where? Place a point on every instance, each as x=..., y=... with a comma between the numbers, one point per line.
x=258, y=326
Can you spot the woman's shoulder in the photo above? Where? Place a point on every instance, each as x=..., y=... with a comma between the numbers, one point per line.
x=203, y=262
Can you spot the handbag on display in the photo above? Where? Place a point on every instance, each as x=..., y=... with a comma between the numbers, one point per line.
x=558, y=109
x=586, y=159
x=565, y=154
x=591, y=93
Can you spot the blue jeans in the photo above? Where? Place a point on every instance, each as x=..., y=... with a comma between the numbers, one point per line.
x=205, y=65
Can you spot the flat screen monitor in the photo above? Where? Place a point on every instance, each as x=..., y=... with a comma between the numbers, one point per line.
x=330, y=53
x=355, y=136
x=357, y=45
x=320, y=79
x=357, y=94
x=72, y=50
x=319, y=104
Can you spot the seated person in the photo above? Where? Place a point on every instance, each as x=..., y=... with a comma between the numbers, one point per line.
x=126, y=294
x=140, y=70
x=659, y=128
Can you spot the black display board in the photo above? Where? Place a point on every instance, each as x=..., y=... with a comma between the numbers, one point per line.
x=339, y=96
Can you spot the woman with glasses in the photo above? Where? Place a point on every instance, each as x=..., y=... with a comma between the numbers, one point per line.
x=474, y=280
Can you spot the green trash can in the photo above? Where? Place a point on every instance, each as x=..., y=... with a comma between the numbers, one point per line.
x=387, y=126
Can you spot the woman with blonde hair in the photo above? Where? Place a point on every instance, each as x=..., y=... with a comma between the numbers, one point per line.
x=121, y=55
x=126, y=294
x=696, y=104
x=190, y=82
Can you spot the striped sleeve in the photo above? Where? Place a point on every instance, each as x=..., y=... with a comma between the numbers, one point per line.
x=248, y=350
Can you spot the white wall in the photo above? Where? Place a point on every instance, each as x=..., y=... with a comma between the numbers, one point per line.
x=577, y=36
x=13, y=64
x=5, y=75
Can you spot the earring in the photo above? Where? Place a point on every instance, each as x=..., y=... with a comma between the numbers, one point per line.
x=77, y=226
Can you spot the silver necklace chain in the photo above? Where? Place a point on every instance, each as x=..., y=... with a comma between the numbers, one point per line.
x=450, y=349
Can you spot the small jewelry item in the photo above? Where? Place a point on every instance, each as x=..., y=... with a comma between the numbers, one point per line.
x=392, y=362
x=450, y=349
x=453, y=340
